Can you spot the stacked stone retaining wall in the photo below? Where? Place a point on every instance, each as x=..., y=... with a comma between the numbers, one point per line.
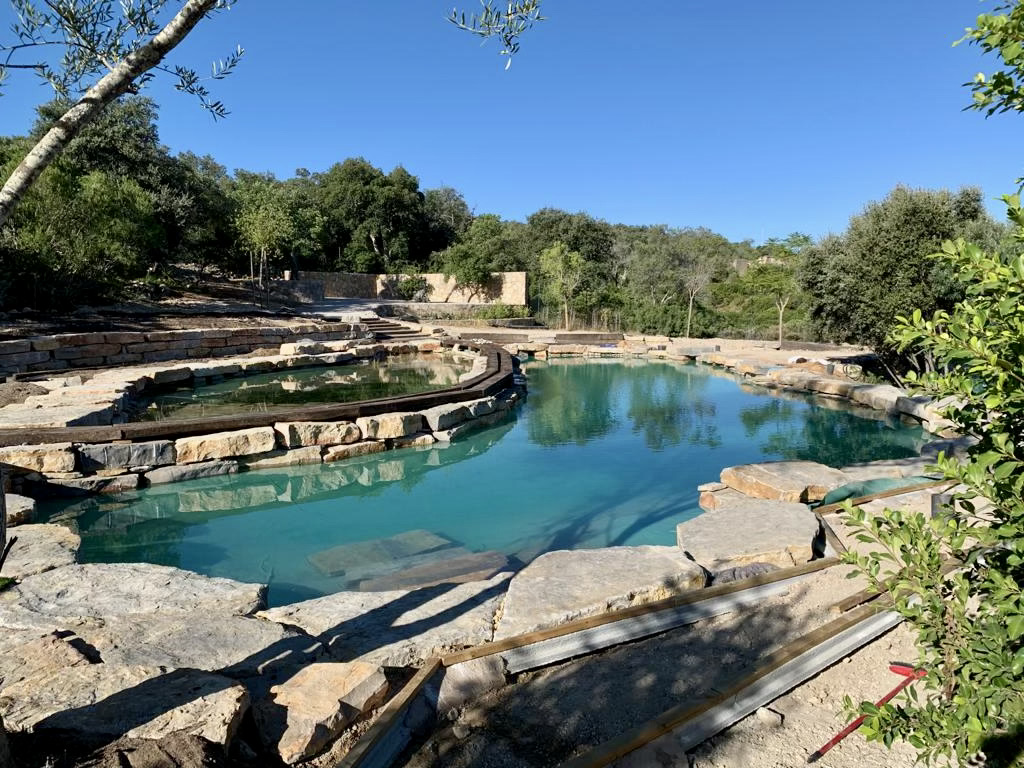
x=117, y=348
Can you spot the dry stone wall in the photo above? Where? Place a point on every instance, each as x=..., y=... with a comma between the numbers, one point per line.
x=97, y=350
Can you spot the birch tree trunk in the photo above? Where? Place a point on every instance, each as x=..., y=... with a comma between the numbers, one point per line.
x=117, y=82
x=689, y=314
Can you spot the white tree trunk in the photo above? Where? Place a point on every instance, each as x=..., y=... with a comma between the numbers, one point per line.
x=689, y=315
x=112, y=85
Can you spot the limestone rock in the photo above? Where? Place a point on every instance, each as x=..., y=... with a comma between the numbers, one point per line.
x=398, y=628
x=178, y=750
x=711, y=500
x=308, y=711
x=236, y=646
x=19, y=509
x=421, y=440
x=390, y=425
x=39, y=655
x=342, y=452
x=224, y=445
x=360, y=557
x=874, y=470
x=299, y=434
x=292, y=458
x=176, y=473
x=470, y=566
x=570, y=584
x=446, y=416
x=40, y=548
x=54, y=457
x=755, y=531
x=139, y=702
x=881, y=397
x=83, y=486
x=119, y=589
x=154, y=453
x=784, y=480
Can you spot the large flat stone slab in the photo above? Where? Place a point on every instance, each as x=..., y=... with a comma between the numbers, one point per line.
x=176, y=473
x=398, y=628
x=561, y=586
x=37, y=654
x=444, y=568
x=755, y=531
x=224, y=445
x=236, y=646
x=155, y=453
x=389, y=425
x=114, y=700
x=120, y=589
x=308, y=711
x=801, y=481
x=40, y=548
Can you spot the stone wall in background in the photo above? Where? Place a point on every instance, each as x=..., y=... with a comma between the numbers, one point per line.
x=100, y=349
x=508, y=288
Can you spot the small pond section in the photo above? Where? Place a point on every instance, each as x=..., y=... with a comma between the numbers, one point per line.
x=602, y=453
x=265, y=392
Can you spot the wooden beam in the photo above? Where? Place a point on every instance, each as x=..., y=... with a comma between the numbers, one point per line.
x=780, y=672
x=830, y=508
x=687, y=598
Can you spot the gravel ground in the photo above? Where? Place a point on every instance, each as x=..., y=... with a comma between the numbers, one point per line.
x=562, y=711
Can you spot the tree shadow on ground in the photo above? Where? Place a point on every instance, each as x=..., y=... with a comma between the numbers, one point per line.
x=548, y=716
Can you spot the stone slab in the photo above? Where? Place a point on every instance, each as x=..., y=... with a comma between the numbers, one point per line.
x=299, y=434
x=176, y=473
x=225, y=445
x=561, y=586
x=756, y=531
x=389, y=425
x=801, y=481
x=888, y=468
x=119, y=589
x=139, y=702
x=357, y=556
x=309, y=710
x=19, y=509
x=40, y=548
x=343, y=452
x=446, y=416
x=399, y=628
x=54, y=457
x=472, y=566
x=154, y=453
x=288, y=458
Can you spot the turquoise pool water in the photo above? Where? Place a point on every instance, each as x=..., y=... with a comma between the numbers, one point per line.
x=600, y=454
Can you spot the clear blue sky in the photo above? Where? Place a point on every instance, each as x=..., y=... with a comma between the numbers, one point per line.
x=752, y=118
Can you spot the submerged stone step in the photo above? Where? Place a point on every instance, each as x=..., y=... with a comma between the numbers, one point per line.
x=348, y=559
x=473, y=566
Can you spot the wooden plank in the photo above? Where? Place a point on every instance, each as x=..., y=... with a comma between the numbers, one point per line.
x=598, y=638
x=745, y=694
x=381, y=735
x=830, y=536
x=830, y=508
x=688, y=598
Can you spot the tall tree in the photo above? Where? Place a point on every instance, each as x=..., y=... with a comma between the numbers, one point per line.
x=563, y=270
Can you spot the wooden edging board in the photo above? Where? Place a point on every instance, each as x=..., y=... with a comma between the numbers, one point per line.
x=781, y=671
x=497, y=377
x=392, y=731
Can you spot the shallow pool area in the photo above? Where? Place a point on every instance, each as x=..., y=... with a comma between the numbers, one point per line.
x=602, y=453
x=264, y=392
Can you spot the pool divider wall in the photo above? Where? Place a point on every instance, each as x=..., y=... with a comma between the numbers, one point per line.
x=453, y=681
x=69, y=461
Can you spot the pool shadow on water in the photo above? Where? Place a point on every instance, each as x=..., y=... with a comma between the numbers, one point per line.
x=118, y=714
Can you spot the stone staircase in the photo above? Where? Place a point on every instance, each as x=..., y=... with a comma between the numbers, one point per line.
x=389, y=330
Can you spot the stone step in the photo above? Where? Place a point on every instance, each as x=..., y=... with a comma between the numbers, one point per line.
x=355, y=559
x=475, y=566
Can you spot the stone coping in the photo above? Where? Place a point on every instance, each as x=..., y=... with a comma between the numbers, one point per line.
x=95, y=403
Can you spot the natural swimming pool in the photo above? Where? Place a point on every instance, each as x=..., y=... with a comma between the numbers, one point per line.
x=262, y=392
x=602, y=453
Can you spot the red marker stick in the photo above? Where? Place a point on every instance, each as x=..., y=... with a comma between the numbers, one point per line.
x=909, y=673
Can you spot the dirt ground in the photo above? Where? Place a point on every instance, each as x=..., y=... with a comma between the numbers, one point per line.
x=549, y=716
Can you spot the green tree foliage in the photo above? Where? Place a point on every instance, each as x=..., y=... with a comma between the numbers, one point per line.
x=471, y=261
x=1002, y=33
x=564, y=272
x=264, y=221
x=860, y=281
x=959, y=577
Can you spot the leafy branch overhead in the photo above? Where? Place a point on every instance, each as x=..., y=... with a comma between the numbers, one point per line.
x=69, y=43
x=1001, y=33
x=507, y=25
